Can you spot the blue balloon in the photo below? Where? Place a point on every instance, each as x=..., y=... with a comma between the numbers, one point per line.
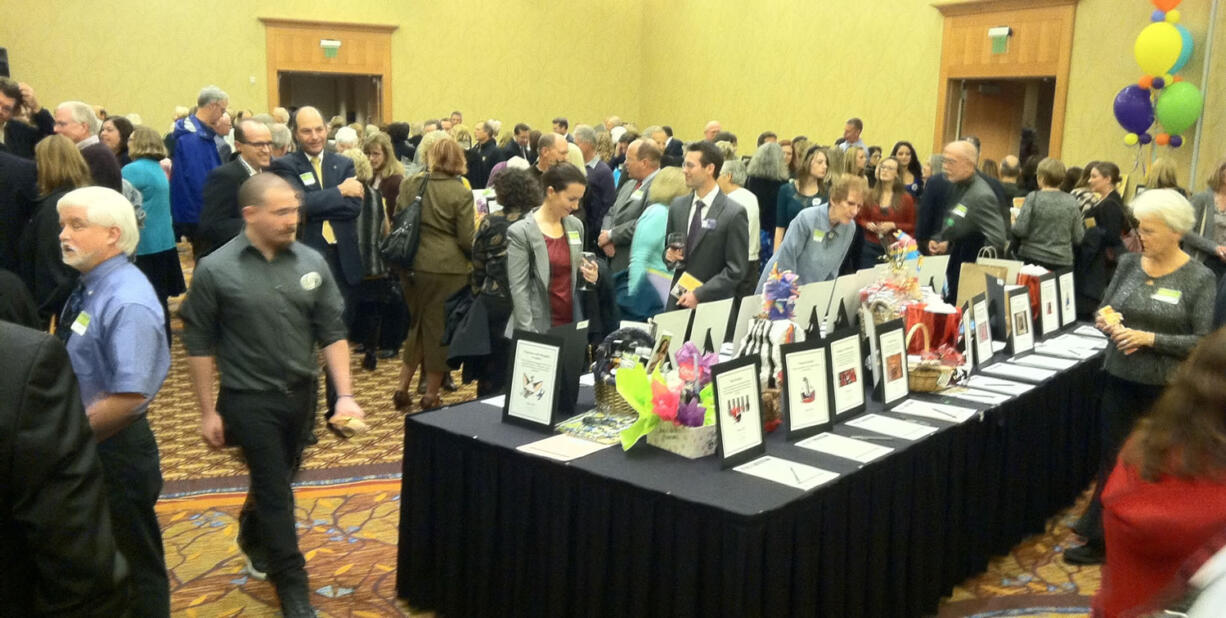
x=1157, y=16
x=1133, y=109
x=1185, y=54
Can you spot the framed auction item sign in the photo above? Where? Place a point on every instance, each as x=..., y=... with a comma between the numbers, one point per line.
x=738, y=411
x=892, y=362
x=534, y=379
x=1021, y=328
x=845, y=360
x=806, y=392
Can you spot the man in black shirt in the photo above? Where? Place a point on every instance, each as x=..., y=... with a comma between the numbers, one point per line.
x=259, y=305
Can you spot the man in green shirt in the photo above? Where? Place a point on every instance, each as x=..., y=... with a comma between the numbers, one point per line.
x=258, y=306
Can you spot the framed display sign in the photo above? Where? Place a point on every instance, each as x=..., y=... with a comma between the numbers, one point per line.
x=1021, y=328
x=1068, y=298
x=983, y=328
x=534, y=379
x=1049, y=305
x=806, y=392
x=892, y=362
x=845, y=362
x=738, y=411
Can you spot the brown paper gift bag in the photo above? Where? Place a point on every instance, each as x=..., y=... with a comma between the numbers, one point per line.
x=971, y=280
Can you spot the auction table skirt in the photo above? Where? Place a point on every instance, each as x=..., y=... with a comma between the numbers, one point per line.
x=487, y=530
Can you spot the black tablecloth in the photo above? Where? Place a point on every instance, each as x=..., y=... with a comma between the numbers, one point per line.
x=486, y=530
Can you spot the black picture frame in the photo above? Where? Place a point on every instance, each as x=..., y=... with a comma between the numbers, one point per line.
x=574, y=357
x=1018, y=321
x=514, y=381
x=983, y=325
x=1068, y=306
x=891, y=328
x=792, y=381
x=752, y=402
x=1041, y=329
x=834, y=339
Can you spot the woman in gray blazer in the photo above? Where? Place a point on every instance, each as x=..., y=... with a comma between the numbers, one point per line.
x=544, y=256
x=1206, y=241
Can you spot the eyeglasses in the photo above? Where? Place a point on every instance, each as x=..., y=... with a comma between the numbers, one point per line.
x=258, y=144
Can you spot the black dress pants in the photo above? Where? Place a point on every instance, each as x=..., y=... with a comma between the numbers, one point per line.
x=1123, y=403
x=133, y=474
x=268, y=427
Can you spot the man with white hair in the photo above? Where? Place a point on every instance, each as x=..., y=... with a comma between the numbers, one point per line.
x=195, y=155
x=973, y=219
x=487, y=149
x=76, y=121
x=113, y=326
x=712, y=129
x=281, y=140
x=600, y=190
x=281, y=115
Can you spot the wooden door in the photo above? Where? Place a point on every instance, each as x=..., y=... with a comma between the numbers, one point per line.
x=992, y=112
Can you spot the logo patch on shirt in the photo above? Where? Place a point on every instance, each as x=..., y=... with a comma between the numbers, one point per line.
x=310, y=281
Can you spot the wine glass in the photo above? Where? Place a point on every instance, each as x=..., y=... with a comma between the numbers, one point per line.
x=588, y=258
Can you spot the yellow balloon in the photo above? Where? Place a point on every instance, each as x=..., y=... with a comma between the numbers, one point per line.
x=1157, y=48
x=1172, y=16
x=1131, y=139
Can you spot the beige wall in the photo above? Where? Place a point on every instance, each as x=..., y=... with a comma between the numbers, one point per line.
x=514, y=60
x=794, y=67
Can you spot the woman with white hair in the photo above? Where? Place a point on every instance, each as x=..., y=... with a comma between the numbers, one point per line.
x=1158, y=306
x=767, y=175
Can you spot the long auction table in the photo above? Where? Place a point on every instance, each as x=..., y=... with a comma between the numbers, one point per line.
x=486, y=530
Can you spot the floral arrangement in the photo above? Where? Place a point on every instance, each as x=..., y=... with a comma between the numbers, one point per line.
x=683, y=397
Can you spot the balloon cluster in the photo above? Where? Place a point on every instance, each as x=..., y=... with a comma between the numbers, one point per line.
x=1162, y=50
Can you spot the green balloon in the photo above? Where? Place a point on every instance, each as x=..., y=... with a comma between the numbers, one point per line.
x=1179, y=105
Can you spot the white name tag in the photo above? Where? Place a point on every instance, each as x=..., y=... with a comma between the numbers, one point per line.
x=1168, y=296
x=959, y=211
x=574, y=238
x=637, y=195
x=81, y=323
x=818, y=235
x=308, y=178
x=708, y=224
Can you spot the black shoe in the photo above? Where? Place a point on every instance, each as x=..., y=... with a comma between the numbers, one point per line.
x=1087, y=554
x=360, y=348
x=311, y=439
x=386, y=354
x=296, y=602
x=449, y=384
x=370, y=361
x=257, y=566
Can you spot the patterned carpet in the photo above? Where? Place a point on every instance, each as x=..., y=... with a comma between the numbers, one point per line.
x=348, y=499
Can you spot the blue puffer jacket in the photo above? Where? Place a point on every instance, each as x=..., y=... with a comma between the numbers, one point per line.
x=195, y=156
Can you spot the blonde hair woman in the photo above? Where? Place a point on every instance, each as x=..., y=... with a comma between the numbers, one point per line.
x=388, y=170
x=61, y=168
x=648, y=277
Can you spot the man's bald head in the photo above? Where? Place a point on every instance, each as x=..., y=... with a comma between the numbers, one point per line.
x=961, y=159
x=1010, y=167
x=270, y=210
x=712, y=129
x=310, y=130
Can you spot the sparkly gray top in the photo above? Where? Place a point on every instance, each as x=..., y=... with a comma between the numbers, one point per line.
x=1176, y=307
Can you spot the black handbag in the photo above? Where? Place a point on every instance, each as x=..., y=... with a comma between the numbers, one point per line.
x=399, y=248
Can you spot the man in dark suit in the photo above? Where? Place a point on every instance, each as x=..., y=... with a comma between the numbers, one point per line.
x=488, y=151
x=717, y=232
x=674, y=150
x=617, y=230
x=56, y=544
x=18, y=196
x=19, y=138
x=521, y=145
x=221, y=218
x=76, y=121
x=331, y=202
x=600, y=193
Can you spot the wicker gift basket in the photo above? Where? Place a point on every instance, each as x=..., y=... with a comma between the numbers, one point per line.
x=926, y=376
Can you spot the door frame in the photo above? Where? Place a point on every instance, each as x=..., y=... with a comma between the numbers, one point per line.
x=375, y=40
x=975, y=61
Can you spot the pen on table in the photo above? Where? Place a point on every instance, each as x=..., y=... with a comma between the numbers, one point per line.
x=863, y=437
x=796, y=476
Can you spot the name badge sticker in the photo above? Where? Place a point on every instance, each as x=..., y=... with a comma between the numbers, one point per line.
x=310, y=281
x=81, y=323
x=573, y=236
x=818, y=235
x=1168, y=296
x=708, y=224
x=959, y=211
x=308, y=178
x=637, y=195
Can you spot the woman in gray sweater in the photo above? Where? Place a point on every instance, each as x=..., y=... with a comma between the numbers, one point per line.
x=1158, y=305
x=1050, y=221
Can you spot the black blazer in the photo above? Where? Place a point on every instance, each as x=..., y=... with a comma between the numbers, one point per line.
x=43, y=270
x=221, y=217
x=513, y=149
x=20, y=138
x=326, y=204
x=720, y=255
x=18, y=196
x=56, y=545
